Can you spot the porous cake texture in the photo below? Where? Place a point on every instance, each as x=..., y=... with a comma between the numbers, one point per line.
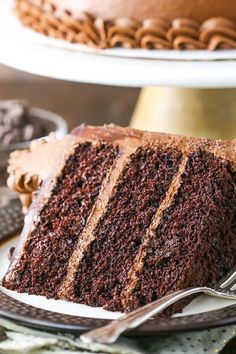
x=124, y=217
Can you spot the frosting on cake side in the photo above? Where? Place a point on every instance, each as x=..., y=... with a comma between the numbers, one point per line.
x=146, y=24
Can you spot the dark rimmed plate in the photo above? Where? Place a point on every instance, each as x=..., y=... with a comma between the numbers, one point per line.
x=33, y=315
x=52, y=321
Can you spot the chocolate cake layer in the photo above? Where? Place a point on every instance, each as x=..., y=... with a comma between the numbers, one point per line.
x=123, y=216
x=50, y=244
x=103, y=272
x=195, y=241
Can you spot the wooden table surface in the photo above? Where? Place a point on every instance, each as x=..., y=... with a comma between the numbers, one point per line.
x=77, y=103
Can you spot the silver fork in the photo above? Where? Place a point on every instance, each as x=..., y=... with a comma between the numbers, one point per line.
x=107, y=334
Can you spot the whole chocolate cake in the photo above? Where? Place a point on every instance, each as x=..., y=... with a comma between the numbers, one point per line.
x=149, y=24
x=121, y=217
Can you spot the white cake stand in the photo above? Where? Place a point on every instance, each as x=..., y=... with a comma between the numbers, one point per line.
x=191, y=111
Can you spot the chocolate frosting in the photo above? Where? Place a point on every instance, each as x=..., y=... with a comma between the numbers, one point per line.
x=162, y=24
x=29, y=168
x=198, y=10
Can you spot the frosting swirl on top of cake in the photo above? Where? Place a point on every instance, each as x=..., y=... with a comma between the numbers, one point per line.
x=219, y=32
x=151, y=24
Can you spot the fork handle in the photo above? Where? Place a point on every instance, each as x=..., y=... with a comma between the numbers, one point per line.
x=109, y=333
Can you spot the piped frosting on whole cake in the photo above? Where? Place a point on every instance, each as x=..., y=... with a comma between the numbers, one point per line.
x=149, y=24
x=122, y=217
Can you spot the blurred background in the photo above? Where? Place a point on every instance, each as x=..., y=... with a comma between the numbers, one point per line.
x=77, y=103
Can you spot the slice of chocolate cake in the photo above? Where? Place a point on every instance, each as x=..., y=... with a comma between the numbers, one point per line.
x=123, y=217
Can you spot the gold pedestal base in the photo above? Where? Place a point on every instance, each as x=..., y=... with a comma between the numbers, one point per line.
x=207, y=113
